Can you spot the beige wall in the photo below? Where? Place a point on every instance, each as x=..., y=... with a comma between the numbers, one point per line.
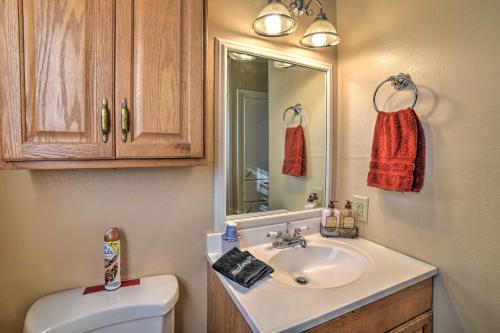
x=52, y=225
x=52, y=222
x=288, y=87
x=452, y=50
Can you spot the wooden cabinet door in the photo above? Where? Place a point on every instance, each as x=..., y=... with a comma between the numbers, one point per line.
x=56, y=63
x=159, y=71
x=420, y=324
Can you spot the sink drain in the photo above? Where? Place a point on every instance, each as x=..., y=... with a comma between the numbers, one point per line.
x=301, y=280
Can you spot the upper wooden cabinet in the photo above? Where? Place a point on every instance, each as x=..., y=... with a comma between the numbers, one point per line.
x=159, y=71
x=56, y=67
x=60, y=59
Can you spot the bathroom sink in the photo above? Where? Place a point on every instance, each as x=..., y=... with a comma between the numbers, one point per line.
x=341, y=275
x=317, y=266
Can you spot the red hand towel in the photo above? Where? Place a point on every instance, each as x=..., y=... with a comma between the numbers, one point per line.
x=294, y=163
x=398, y=152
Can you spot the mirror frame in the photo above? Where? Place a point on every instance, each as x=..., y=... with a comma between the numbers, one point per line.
x=222, y=48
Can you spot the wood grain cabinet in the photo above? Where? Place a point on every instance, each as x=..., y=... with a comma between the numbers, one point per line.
x=102, y=83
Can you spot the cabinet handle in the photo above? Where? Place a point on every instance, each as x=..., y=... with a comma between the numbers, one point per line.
x=124, y=120
x=104, y=120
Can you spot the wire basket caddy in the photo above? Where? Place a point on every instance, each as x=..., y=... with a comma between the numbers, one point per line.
x=338, y=232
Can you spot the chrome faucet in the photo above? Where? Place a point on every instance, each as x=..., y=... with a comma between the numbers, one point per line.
x=286, y=241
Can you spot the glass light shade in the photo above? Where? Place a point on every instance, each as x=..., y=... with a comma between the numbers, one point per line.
x=320, y=34
x=281, y=65
x=242, y=57
x=274, y=21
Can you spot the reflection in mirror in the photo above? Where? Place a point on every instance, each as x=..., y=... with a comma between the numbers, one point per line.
x=276, y=135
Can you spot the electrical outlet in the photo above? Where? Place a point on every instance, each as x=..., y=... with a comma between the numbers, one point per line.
x=360, y=208
x=319, y=193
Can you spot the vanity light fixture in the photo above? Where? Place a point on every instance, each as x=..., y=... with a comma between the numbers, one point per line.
x=276, y=20
x=242, y=57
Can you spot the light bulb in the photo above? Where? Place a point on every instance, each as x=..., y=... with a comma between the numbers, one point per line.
x=272, y=24
x=318, y=40
x=241, y=57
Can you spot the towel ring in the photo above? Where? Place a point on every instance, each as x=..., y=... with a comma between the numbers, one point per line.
x=297, y=109
x=399, y=82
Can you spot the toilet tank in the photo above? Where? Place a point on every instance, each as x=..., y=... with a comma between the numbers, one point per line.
x=147, y=307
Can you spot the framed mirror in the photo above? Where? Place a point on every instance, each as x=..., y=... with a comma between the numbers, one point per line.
x=273, y=134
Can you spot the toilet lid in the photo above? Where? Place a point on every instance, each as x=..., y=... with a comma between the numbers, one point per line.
x=70, y=311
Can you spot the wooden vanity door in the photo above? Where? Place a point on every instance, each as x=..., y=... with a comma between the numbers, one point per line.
x=56, y=60
x=159, y=71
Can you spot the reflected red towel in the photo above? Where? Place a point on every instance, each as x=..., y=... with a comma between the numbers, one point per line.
x=294, y=163
x=398, y=152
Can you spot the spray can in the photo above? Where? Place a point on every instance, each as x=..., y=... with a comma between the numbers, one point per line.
x=112, y=277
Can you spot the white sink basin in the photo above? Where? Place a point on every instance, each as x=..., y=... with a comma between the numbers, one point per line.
x=317, y=266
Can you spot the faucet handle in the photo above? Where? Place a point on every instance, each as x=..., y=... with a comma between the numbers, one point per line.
x=298, y=231
x=279, y=238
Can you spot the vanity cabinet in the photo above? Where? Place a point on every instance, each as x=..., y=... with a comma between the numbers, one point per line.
x=407, y=311
x=102, y=83
x=420, y=324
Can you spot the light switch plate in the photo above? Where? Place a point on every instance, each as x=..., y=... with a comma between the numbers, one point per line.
x=360, y=208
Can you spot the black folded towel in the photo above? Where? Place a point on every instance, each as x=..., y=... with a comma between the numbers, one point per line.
x=242, y=267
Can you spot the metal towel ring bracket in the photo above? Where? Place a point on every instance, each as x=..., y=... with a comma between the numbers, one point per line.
x=297, y=109
x=399, y=82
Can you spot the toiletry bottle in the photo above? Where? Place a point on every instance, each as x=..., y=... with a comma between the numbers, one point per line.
x=332, y=218
x=336, y=213
x=231, y=238
x=112, y=276
x=310, y=204
x=325, y=213
x=348, y=220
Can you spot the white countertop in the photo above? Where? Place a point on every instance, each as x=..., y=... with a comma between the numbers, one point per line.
x=270, y=307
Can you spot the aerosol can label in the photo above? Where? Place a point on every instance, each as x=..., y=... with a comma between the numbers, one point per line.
x=112, y=278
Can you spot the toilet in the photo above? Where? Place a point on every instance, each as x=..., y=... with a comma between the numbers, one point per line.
x=147, y=307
